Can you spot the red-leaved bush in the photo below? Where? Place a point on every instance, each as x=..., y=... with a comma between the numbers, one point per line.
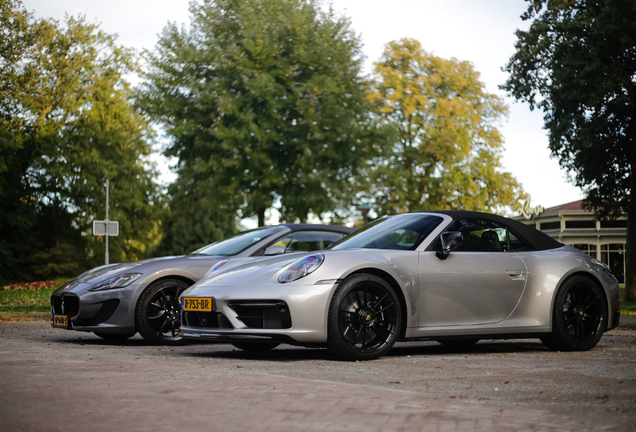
x=32, y=286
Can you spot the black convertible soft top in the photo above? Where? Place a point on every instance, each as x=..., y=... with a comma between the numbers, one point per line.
x=532, y=236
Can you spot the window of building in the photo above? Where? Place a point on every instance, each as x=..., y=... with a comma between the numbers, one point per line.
x=580, y=224
x=589, y=249
x=550, y=225
x=620, y=223
x=614, y=256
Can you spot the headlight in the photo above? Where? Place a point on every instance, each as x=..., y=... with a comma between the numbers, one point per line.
x=215, y=267
x=301, y=268
x=118, y=281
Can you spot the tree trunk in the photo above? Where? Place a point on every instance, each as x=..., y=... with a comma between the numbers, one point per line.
x=261, y=217
x=630, y=259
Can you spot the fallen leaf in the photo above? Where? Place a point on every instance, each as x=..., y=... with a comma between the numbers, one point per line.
x=239, y=367
x=503, y=355
x=439, y=367
x=451, y=397
x=605, y=396
x=505, y=382
x=612, y=409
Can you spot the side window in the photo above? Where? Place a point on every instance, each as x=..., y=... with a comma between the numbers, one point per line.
x=306, y=241
x=516, y=244
x=481, y=236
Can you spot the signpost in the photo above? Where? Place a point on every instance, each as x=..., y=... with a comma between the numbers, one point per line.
x=106, y=227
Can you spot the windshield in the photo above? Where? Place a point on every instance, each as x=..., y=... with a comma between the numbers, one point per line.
x=404, y=232
x=238, y=243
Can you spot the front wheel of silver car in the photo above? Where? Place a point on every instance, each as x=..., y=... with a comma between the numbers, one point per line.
x=364, y=318
x=158, y=315
x=579, y=318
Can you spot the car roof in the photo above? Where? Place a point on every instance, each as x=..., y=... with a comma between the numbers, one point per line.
x=537, y=239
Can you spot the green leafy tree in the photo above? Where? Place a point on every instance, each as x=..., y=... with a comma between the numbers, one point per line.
x=264, y=99
x=577, y=63
x=67, y=126
x=199, y=216
x=447, y=155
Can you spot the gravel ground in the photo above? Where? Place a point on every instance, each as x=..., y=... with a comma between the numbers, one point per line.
x=57, y=379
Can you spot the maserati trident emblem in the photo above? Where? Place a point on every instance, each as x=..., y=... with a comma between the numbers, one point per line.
x=62, y=305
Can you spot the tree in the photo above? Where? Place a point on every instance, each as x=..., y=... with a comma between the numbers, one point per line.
x=448, y=151
x=67, y=126
x=199, y=216
x=264, y=99
x=577, y=63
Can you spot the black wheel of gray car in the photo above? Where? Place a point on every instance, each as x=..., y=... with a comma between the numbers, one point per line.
x=115, y=337
x=579, y=317
x=255, y=346
x=364, y=318
x=458, y=343
x=158, y=315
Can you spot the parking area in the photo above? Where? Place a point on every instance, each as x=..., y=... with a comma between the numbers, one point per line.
x=59, y=380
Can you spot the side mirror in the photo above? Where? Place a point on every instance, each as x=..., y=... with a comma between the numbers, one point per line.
x=450, y=241
x=274, y=250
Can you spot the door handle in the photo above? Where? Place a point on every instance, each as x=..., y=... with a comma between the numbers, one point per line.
x=516, y=274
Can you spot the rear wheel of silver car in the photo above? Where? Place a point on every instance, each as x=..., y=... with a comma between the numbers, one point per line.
x=255, y=346
x=158, y=315
x=115, y=337
x=579, y=318
x=364, y=318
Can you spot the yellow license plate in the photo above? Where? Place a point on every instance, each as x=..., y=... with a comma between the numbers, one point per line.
x=200, y=304
x=60, y=321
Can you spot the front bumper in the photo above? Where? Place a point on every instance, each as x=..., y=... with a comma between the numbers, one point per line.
x=290, y=314
x=102, y=311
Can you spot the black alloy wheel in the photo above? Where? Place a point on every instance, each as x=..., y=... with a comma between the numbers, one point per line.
x=580, y=316
x=158, y=314
x=364, y=318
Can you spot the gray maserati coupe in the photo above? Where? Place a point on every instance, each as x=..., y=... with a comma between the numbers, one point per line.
x=450, y=276
x=116, y=301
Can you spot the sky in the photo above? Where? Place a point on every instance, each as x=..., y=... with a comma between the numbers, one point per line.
x=481, y=32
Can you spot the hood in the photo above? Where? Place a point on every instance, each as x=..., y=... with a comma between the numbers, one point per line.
x=241, y=270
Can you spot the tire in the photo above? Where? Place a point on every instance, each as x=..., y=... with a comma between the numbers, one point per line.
x=115, y=337
x=579, y=318
x=158, y=315
x=458, y=343
x=255, y=346
x=364, y=318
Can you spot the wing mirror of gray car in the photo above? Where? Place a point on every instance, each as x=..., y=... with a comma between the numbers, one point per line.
x=450, y=240
x=274, y=250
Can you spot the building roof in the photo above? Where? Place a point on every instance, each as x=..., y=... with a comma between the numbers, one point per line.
x=574, y=205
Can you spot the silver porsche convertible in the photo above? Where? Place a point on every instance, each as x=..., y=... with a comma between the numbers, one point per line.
x=451, y=276
x=116, y=301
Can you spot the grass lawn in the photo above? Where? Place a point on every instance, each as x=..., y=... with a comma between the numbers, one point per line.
x=28, y=300
x=628, y=307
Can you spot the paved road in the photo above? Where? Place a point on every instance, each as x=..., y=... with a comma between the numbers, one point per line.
x=59, y=380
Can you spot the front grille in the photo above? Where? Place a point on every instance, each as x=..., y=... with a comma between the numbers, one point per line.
x=106, y=311
x=71, y=305
x=206, y=320
x=262, y=314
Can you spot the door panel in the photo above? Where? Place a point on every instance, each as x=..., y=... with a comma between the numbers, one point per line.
x=469, y=287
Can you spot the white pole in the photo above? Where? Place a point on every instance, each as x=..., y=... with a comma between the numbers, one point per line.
x=107, y=233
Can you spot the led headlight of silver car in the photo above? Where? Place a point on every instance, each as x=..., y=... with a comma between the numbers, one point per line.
x=118, y=281
x=301, y=268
